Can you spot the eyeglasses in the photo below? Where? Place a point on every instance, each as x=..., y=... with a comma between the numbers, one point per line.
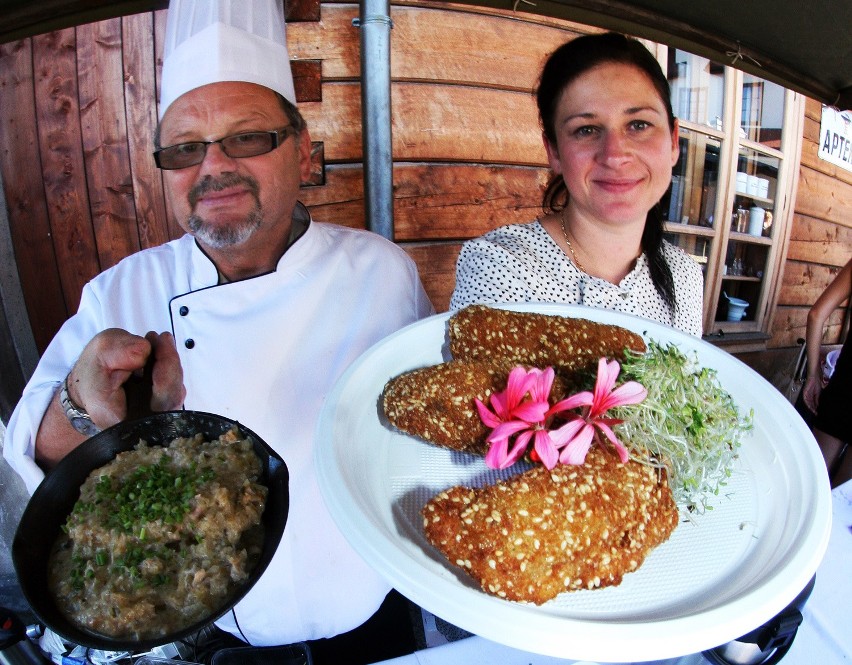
x=248, y=144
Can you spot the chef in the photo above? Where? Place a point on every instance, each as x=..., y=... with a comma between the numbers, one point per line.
x=253, y=314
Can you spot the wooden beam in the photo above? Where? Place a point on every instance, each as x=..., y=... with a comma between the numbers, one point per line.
x=25, y=18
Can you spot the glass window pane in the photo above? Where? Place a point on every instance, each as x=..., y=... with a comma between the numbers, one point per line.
x=698, y=88
x=762, y=111
x=756, y=187
x=691, y=199
x=742, y=281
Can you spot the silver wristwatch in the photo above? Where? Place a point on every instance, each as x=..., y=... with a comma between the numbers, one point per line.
x=77, y=416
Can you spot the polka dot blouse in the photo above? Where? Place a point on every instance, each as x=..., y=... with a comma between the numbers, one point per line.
x=522, y=263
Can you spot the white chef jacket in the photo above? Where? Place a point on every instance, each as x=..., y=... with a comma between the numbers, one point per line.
x=264, y=351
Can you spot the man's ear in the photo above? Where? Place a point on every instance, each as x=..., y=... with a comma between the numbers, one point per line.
x=304, y=139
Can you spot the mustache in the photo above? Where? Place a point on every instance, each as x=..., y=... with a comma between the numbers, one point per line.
x=210, y=184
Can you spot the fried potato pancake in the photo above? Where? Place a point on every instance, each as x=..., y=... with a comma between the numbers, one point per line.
x=539, y=533
x=537, y=340
x=436, y=403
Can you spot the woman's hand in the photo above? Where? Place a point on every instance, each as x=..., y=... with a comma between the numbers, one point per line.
x=811, y=392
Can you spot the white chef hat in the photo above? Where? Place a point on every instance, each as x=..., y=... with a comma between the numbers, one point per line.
x=210, y=41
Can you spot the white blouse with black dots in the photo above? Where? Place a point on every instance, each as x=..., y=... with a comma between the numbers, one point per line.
x=522, y=263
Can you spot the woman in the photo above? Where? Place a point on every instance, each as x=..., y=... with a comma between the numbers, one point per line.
x=832, y=426
x=611, y=140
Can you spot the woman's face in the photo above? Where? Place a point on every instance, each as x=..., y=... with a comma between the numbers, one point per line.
x=614, y=147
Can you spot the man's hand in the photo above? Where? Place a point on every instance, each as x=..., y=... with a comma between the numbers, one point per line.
x=96, y=384
x=97, y=379
x=167, y=374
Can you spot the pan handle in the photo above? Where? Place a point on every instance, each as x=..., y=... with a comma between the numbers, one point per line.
x=138, y=390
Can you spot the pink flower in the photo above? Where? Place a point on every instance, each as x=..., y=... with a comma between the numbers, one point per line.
x=515, y=415
x=521, y=413
x=576, y=436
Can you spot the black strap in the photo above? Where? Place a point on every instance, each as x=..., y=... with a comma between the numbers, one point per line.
x=775, y=637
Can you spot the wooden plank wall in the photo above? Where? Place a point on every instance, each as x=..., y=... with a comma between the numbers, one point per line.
x=466, y=143
x=78, y=111
x=820, y=240
x=820, y=244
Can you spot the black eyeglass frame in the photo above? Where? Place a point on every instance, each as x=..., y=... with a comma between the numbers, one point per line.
x=279, y=136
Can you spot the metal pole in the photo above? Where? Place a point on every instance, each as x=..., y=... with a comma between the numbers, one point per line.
x=375, y=25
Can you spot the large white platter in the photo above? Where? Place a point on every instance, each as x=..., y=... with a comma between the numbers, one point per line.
x=717, y=578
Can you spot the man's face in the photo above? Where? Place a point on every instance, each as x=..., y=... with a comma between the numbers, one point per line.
x=234, y=205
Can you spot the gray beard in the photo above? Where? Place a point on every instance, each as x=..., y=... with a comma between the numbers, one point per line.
x=231, y=236
x=224, y=237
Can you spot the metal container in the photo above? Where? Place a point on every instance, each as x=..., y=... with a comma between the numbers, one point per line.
x=54, y=500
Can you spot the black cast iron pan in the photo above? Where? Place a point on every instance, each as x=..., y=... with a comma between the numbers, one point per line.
x=55, y=497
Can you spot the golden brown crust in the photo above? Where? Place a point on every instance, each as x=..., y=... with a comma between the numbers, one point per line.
x=538, y=340
x=542, y=532
x=437, y=404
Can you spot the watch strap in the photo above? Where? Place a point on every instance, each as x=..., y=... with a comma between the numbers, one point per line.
x=78, y=417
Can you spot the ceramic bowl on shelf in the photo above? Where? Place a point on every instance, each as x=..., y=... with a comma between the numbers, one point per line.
x=736, y=308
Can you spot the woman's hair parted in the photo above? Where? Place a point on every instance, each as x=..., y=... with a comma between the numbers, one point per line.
x=566, y=64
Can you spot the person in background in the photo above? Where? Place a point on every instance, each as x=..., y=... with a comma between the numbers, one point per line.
x=832, y=425
x=253, y=314
x=611, y=140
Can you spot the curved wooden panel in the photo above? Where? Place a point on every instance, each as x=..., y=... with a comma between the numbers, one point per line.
x=444, y=123
x=436, y=264
x=334, y=40
x=460, y=201
x=455, y=45
x=22, y=181
x=141, y=105
x=434, y=201
x=104, y=126
x=62, y=163
x=469, y=48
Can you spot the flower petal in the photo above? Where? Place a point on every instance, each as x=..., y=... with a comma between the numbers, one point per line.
x=519, y=448
x=497, y=454
x=507, y=429
x=500, y=457
x=488, y=418
x=630, y=392
x=619, y=447
x=560, y=437
x=545, y=449
x=576, y=449
x=531, y=412
x=517, y=386
x=607, y=374
x=542, y=383
x=584, y=398
x=610, y=422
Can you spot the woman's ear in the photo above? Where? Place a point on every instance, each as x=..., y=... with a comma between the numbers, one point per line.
x=675, y=142
x=552, y=154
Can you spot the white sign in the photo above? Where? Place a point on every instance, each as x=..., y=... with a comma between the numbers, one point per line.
x=835, y=137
